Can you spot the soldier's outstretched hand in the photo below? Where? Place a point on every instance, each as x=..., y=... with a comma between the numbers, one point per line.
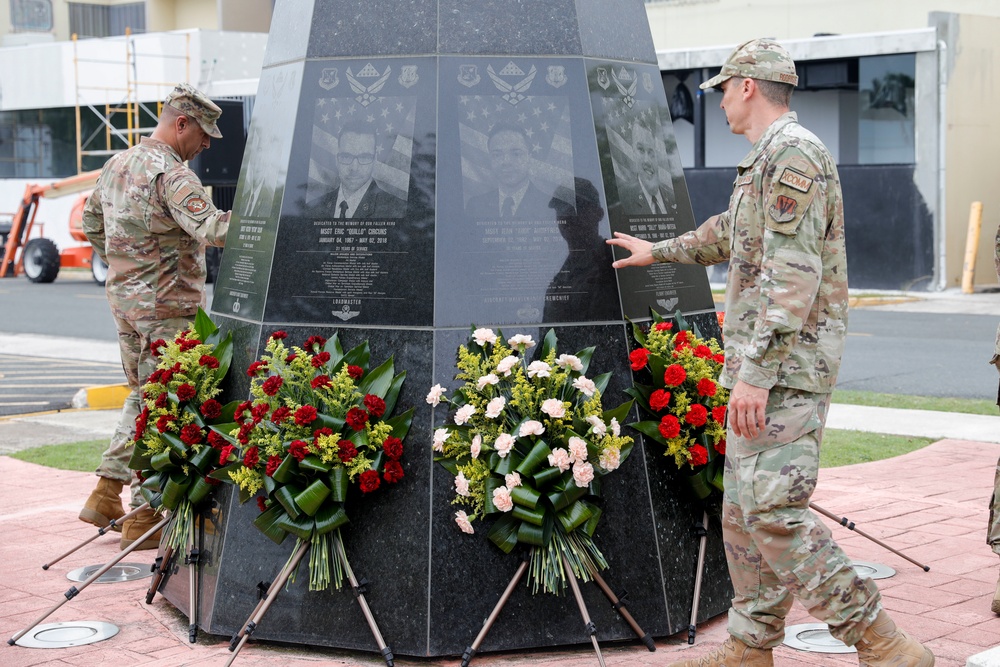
x=641, y=251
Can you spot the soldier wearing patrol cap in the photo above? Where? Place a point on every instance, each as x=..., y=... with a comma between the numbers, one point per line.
x=149, y=219
x=786, y=320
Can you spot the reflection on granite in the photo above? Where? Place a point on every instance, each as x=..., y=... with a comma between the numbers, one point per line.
x=413, y=168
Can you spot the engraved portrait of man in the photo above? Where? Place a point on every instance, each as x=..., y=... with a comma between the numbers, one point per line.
x=358, y=196
x=646, y=193
x=515, y=196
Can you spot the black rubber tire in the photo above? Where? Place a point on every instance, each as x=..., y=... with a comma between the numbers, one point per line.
x=98, y=269
x=41, y=260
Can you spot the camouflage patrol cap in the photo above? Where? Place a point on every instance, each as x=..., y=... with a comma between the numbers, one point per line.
x=195, y=104
x=762, y=59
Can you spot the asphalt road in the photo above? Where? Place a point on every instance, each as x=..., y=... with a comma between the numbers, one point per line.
x=919, y=353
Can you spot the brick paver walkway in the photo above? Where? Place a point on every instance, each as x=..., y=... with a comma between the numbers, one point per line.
x=932, y=504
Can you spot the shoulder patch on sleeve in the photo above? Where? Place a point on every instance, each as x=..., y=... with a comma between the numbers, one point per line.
x=795, y=179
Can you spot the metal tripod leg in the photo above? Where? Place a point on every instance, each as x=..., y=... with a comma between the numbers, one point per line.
x=618, y=604
x=161, y=566
x=100, y=531
x=696, y=597
x=591, y=629
x=470, y=652
x=74, y=591
x=849, y=525
x=192, y=561
x=300, y=550
x=359, y=594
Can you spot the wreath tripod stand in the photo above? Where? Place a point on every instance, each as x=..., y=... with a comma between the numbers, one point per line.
x=616, y=602
x=358, y=587
x=164, y=566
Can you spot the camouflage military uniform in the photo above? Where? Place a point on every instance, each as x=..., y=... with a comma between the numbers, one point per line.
x=149, y=219
x=785, y=326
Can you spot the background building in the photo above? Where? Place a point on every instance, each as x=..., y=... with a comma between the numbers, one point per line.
x=904, y=97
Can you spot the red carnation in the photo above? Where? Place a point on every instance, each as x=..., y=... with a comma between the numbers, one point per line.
x=279, y=335
x=280, y=414
x=156, y=345
x=670, y=427
x=208, y=360
x=290, y=358
x=240, y=413
x=191, y=434
x=355, y=372
x=663, y=326
x=163, y=423
x=161, y=401
x=320, y=359
x=261, y=503
x=299, y=449
x=393, y=472
x=356, y=418
x=256, y=366
x=251, y=458
x=393, y=448
x=166, y=376
x=696, y=415
x=272, y=385
x=703, y=352
x=211, y=408
x=188, y=344
x=699, y=456
x=141, y=420
x=719, y=358
x=681, y=338
x=346, y=451
x=259, y=411
x=719, y=414
x=227, y=452
x=320, y=381
x=216, y=441
x=375, y=405
x=244, y=435
x=639, y=358
x=369, y=481
x=272, y=464
x=305, y=415
x=706, y=387
x=320, y=432
x=176, y=368
x=675, y=375
x=659, y=400
x=720, y=446
x=186, y=392
x=154, y=377
x=314, y=343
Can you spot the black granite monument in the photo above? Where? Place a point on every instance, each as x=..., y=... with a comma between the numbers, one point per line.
x=417, y=166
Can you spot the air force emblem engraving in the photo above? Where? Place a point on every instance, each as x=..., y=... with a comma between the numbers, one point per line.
x=328, y=78
x=345, y=313
x=556, y=76
x=368, y=94
x=512, y=92
x=468, y=75
x=408, y=76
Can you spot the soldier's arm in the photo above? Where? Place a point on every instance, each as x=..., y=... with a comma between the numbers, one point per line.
x=709, y=244
x=93, y=222
x=191, y=207
x=795, y=226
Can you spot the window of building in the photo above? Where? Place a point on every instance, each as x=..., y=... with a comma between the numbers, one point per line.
x=86, y=20
x=31, y=15
x=861, y=108
x=38, y=143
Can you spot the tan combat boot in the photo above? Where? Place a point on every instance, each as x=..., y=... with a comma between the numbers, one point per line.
x=104, y=503
x=885, y=645
x=732, y=653
x=137, y=526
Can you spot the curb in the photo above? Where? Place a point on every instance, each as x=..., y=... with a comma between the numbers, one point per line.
x=102, y=397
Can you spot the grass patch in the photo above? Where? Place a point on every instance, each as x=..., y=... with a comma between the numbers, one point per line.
x=79, y=456
x=971, y=406
x=841, y=448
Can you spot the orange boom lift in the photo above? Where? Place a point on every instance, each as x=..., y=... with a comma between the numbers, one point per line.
x=40, y=259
